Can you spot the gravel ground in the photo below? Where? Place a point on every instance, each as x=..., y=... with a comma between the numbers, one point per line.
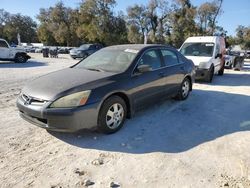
x=200, y=142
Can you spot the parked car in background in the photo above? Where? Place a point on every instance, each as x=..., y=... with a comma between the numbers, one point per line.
x=207, y=53
x=63, y=50
x=247, y=54
x=38, y=50
x=84, y=50
x=229, y=59
x=17, y=54
x=105, y=88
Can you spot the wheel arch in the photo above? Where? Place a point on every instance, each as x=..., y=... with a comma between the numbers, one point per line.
x=190, y=80
x=20, y=53
x=126, y=99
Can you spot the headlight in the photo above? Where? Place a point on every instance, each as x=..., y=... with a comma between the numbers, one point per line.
x=73, y=100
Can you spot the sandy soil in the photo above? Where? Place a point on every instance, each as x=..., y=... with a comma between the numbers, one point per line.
x=200, y=142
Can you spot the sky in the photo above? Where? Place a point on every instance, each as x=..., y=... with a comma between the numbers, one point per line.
x=234, y=12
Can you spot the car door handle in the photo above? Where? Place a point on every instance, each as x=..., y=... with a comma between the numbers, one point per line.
x=161, y=74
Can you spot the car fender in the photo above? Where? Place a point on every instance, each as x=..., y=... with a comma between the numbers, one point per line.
x=128, y=100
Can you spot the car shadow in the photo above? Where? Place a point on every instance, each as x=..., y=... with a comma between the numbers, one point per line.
x=28, y=64
x=172, y=126
x=241, y=78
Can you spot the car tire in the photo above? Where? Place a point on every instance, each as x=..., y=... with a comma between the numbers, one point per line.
x=112, y=115
x=221, y=71
x=184, y=90
x=20, y=58
x=210, y=75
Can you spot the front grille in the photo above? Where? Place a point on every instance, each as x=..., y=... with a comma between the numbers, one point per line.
x=28, y=100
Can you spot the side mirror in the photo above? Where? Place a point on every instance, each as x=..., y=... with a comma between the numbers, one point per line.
x=218, y=55
x=144, y=68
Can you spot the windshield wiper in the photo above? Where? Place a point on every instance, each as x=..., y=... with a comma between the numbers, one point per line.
x=95, y=69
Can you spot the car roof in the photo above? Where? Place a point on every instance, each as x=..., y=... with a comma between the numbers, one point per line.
x=134, y=46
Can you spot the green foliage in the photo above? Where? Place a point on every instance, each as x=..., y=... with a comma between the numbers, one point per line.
x=58, y=25
x=206, y=15
x=243, y=36
x=12, y=24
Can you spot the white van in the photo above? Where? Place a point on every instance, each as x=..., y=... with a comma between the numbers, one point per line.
x=207, y=53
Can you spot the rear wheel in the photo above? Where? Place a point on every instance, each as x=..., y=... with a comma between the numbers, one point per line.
x=184, y=90
x=20, y=58
x=112, y=115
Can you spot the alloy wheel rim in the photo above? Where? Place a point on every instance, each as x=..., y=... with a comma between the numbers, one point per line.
x=185, y=88
x=114, y=116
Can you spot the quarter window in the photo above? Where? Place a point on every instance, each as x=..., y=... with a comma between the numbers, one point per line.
x=151, y=58
x=169, y=58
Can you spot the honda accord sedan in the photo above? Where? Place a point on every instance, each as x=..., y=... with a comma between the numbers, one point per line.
x=107, y=87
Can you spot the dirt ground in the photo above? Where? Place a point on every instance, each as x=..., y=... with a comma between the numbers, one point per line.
x=201, y=142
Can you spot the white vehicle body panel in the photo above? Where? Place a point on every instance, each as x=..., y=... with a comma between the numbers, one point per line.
x=206, y=62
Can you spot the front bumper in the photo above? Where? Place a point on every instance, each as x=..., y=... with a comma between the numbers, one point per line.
x=55, y=119
x=201, y=73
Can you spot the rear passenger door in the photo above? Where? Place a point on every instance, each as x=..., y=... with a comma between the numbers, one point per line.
x=174, y=70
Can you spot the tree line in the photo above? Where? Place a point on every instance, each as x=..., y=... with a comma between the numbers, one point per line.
x=95, y=21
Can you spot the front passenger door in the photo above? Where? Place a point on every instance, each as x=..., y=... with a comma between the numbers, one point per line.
x=148, y=87
x=4, y=50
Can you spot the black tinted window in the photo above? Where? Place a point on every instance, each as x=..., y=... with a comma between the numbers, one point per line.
x=169, y=57
x=3, y=44
x=151, y=58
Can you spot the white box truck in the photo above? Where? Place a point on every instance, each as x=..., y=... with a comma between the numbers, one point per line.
x=207, y=53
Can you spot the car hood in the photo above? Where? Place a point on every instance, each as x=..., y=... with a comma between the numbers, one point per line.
x=49, y=86
x=197, y=60
x=18, y=49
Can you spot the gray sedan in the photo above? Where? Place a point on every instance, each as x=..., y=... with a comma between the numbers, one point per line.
x=107, y=87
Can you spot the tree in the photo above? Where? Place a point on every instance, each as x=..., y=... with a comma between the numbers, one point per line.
x=97, y=23
x=137, y=18
x=182, y=22
x=58, y=25
x=207, y=14
x=24, y=25
x=243, y=36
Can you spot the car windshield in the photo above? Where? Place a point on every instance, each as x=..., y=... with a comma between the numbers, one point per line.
x=84, y=46
x=108, y=60
x=197, y=49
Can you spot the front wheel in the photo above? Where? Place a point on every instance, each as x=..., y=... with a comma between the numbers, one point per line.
x=112, y=115
x=184, y=90
x=20, y=58
x=210, y=75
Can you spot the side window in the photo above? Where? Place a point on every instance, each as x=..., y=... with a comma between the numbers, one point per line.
x=151, y=58
x=217, y=49
x=169, y=58
x=3, y=44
